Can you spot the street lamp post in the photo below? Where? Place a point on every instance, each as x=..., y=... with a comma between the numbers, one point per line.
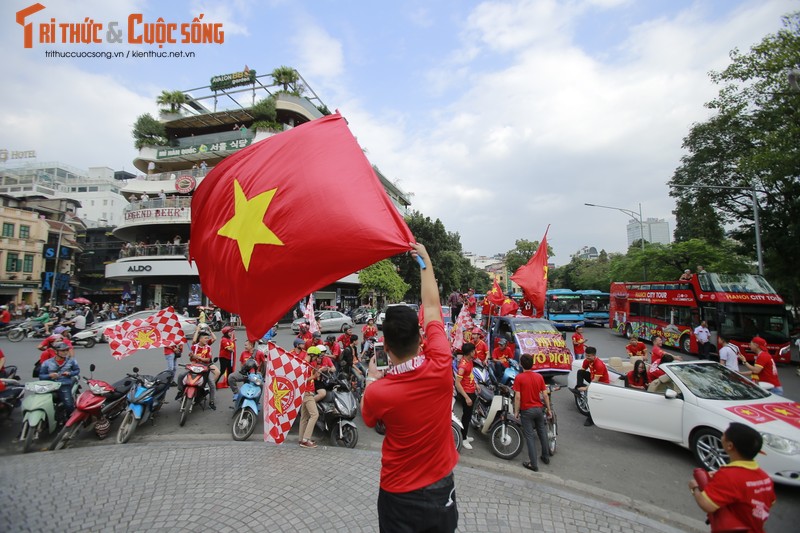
x=634, y=216
x=756, y=223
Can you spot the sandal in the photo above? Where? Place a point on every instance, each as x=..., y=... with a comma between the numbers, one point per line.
x=529, y=466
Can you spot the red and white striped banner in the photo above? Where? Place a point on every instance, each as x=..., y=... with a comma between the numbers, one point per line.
x=286, y=376
x=161, y=329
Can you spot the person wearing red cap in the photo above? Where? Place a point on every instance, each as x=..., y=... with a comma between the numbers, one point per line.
x=763, y=368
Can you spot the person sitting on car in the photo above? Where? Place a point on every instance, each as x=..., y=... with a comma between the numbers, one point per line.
x=592, y=370
x=635, y=347
x=654, y=372
x=501, y=357
x=637, y=378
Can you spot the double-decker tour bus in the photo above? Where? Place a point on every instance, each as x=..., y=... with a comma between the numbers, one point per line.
x=595, y=307
x=563, y=308
x=739, y=306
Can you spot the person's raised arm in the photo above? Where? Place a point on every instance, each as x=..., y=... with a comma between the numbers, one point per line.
x=429, y=290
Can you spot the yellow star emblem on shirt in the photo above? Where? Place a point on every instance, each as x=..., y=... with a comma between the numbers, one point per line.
x=247, y=226
x=144, y=338
x=278, y=394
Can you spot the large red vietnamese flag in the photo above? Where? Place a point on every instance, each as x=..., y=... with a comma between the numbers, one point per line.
x=287, y=216
x=532, y=277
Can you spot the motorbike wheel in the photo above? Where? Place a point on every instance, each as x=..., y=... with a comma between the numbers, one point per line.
x=126, y=428
x=380, y=428
x=184, y=410
x=64, y=436
x=582, y=403
x=90, y=342
x=16, y=335
x=552, y=433
x=457, y=438
x=349, y=437
x=506, y=446
x=244, y=422
x=32, y=434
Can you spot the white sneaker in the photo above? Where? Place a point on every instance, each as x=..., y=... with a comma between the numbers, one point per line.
x=469, y=439
x=466, y=445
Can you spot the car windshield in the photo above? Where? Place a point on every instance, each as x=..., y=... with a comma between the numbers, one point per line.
x=535, y=326
x=715, y=382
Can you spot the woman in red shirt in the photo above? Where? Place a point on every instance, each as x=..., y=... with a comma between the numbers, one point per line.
x=368, y=331
x=637, y=378
x=227, y=352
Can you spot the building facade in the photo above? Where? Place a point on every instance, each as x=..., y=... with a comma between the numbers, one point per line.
x=656, y=230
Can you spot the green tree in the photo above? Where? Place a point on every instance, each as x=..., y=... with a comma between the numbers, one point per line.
x=171, y=101
x=522, y=252
x=288, y=78
x=751, y=142
x=147, y=131
x=265, y=115
x=382, y=279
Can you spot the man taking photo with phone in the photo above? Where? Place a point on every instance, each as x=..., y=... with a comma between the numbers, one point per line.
x=417, y=489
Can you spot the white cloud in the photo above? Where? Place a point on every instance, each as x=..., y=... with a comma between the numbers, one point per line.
x=320, y=55
x=231, y=14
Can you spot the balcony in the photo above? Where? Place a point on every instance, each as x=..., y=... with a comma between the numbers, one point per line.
x=154, y=250
x=175, y=210
x=152, y=261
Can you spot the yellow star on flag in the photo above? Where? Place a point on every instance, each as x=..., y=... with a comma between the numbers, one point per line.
x=247, y=226
x=747, y=411
x=144, y=338
x=545, y=268
x=278, y=395
x=782, y=411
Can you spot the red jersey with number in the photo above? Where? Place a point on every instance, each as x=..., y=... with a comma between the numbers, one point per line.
x=744, y=489
x=465, y=373
x=578, y=344
x=596, y=368
x=481, y=350
x=201, y=354
x=503, y=355
x=636, y=350
x=227, y=348
x=417, y=450
x=769, y=374
x=530, y=386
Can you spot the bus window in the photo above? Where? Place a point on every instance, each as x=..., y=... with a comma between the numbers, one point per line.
x=710, y=316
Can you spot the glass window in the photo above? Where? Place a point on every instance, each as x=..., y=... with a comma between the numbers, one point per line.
x=8, y=229
x=81, y=189
x=92, y=189
x=24, y=231
x=12, y=262
x=27, y=264
x=105, y=202
x=715, y=382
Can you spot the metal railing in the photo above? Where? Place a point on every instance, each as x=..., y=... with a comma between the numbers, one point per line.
x=158, y=203
x=150, y=250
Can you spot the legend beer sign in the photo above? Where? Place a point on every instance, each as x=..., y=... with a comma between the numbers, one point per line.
x=5, y=154
x=163, y=213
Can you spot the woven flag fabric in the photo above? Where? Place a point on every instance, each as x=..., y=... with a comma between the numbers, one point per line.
x=282, y=395
x=156, y=331
x=532, y=277
x=261, y=241
x=313, y=326
x=464, y=323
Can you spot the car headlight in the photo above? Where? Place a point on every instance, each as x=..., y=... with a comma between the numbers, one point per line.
x=781, y=444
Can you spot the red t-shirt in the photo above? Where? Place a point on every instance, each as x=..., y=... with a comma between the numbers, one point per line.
x=481, y=350
x=369, y=331
x=530, y=386
x=769, y=374
x=597, y=368
x=5, y=316
x=169, y=350
x=636, y=350
x=503, y=355
x=634, y=381
x=227, y=348
x=335, y=350
x=465, y=373
x=578, y=344
x=526, y=308
x=47, y=354
x=417, y=450
x=258, y=357
x=344, y=338
x=746, y=490
x=658, y=353
x=201, y=354
x=472, y=305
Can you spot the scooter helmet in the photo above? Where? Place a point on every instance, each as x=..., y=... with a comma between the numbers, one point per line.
x=322, y=349
x=298, y=342
x=313, y=351
x=330, y=338
x=60, y=346
x=317, y=335
x=502, y=342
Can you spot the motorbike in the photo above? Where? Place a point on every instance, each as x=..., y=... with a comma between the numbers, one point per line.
x=98, y=405
x=42, y=412
x=195, y=389
x=9, y=372
x=88, y=337
x=145, y=398
x=26, y=330
x=493, y=414
x=11, y=396
x=8, y=327
x=246, y=406
x=337, y=411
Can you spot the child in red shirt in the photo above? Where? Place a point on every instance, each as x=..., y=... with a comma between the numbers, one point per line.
x=578, y=343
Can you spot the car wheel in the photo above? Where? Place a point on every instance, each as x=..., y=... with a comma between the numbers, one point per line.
x=708, y=450
x=628, y=331
x=686, y=344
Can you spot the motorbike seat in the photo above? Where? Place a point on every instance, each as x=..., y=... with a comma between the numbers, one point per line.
x=165, y=376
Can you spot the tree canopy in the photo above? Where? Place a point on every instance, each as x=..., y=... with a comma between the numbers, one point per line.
x=522, y=252
x=382, y=279
x=752, y=141
x=147, y=131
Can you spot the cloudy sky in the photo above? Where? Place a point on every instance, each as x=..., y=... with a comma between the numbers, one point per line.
x=501, y=117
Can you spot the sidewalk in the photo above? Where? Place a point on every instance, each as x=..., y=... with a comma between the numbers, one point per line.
x=249, y=486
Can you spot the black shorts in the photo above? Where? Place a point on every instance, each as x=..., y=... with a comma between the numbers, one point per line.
x=429, y=509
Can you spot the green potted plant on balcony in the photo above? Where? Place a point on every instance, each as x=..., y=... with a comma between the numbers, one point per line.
x=171, y=102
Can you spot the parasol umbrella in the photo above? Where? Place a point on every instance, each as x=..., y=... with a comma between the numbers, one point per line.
x=81, y=300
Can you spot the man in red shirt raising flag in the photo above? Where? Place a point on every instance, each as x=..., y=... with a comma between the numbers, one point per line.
x=532, y=277
x=417, y=489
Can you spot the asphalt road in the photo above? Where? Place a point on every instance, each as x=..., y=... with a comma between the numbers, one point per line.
x=644, y=469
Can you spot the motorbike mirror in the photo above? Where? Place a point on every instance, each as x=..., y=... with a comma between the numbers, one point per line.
x=216, y=359
x=92, y=367
x=136, y=370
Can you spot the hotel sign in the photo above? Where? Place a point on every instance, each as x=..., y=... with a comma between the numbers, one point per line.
x=5, y=155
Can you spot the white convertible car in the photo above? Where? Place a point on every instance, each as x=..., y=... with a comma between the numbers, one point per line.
x=692, y=405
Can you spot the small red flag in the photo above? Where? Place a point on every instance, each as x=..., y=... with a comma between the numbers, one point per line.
x=495, y=296
x=532, y=277
x=509, y=307
x=269, y=222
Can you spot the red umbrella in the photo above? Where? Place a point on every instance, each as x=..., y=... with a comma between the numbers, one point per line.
x=81, y=300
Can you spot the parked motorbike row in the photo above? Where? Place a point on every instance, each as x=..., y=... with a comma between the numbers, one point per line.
x=138, y=398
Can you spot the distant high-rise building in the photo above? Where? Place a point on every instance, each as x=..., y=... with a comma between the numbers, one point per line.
x=656, y=230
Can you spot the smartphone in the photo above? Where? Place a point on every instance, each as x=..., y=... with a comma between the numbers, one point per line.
x=381, y=357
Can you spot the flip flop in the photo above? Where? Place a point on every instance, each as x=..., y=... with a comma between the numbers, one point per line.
x=529, y=466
